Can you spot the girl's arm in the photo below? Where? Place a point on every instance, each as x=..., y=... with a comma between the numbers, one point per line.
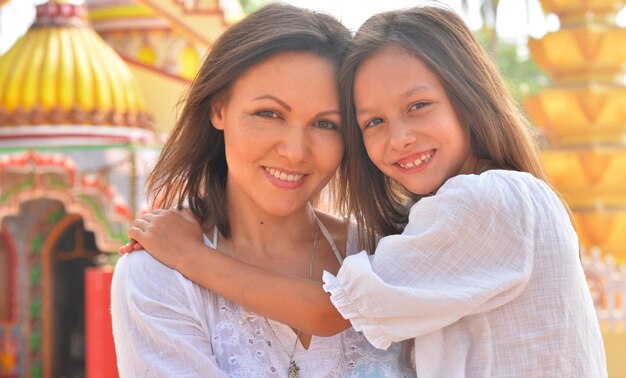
x=468, y=249
x=175, y=238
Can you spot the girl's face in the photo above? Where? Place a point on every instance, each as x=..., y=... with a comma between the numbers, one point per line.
x=281, y=131
x=410, y=130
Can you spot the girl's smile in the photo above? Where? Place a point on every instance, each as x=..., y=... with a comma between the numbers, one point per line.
x=416, y=162
x=410, y=129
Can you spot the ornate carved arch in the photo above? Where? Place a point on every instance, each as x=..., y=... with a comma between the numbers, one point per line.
x=31, y=176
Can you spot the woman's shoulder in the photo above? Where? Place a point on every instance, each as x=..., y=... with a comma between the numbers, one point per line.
x=140, y=275
x=139, y=265
x=139, y=271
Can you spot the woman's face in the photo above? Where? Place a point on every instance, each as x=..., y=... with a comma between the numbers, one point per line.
x=410, y=129
x=281, y=131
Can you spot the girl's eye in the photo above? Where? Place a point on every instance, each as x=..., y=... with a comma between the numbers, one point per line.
x=372, y=122
x=326, y=125
x=418, y=105
x=267, y=114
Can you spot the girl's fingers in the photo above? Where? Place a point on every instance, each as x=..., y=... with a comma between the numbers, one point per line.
x=122, y=250
x=140, y=223
x=131, y=246
x=134, y=232
x=148, y=216
x=127, y=248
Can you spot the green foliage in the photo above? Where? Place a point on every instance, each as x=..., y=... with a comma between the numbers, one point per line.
x=520, y=72
x=250, y=6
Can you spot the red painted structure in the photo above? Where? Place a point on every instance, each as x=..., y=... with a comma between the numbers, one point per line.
x=100, y=350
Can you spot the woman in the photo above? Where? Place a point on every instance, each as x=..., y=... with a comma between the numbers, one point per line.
x=258, y=138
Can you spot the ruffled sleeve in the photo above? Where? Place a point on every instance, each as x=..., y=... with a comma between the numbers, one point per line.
x=468, y=249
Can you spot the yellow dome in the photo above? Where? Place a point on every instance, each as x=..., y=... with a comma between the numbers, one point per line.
x=62, y=73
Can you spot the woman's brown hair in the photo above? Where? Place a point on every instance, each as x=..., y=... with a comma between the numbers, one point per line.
x=192, y=165
x=440, y=39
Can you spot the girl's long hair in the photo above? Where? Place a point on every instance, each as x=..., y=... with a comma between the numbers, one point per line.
x=440, y=39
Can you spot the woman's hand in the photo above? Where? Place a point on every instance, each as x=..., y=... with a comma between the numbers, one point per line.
x=168, y=235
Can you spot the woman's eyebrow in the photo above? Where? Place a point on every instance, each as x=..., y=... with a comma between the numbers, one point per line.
x=327, y=112
x=274, y=98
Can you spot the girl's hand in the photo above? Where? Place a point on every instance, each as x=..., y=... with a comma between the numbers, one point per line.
x=168, y=235
x=132, y=245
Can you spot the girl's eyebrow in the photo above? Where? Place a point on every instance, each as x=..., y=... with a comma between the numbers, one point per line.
x=274, y=98
x=411, y=91
x=418, y=89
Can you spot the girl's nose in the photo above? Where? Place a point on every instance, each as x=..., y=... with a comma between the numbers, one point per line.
x=401, y=136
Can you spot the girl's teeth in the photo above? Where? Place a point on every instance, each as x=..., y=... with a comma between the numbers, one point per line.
x=417, y=162
x=282, y=175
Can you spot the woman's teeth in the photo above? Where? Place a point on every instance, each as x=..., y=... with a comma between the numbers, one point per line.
x=282, y=175
x=417, y=162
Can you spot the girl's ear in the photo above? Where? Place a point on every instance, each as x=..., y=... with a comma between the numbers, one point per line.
x=217, y=116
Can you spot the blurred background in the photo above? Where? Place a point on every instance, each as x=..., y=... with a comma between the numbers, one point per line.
x=88, y=92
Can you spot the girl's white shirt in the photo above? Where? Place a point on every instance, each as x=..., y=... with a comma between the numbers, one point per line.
x=164, y=325
x=486, y=278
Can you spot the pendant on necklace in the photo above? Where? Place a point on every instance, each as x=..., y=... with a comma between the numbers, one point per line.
x=293, y=369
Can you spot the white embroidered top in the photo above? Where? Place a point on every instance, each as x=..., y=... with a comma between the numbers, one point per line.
x=486, y=278
x=167, y=326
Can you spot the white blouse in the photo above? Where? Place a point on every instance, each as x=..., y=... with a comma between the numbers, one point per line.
x=486, y=278
x=165, y=325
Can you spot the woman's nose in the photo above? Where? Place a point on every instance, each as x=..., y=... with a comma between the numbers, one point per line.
x=294, y=145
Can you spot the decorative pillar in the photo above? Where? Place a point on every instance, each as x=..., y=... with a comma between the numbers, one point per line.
x=583, y=116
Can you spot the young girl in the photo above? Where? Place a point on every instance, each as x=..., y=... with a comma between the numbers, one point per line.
x=485, y=277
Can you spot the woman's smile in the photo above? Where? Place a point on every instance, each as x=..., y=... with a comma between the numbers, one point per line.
x=283, y=178
x=281, y=132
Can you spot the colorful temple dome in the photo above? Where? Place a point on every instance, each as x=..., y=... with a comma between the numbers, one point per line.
x=122, y=15
x=62, y=75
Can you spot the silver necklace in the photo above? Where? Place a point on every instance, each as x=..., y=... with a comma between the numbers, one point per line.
x=292, y=371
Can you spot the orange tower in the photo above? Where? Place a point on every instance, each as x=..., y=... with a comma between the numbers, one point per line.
x=583, y=116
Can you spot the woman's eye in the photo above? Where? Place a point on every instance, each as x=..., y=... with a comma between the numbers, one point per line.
x=327, y=125
x=418, y=105
x=267, y=114
x=372, y=122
